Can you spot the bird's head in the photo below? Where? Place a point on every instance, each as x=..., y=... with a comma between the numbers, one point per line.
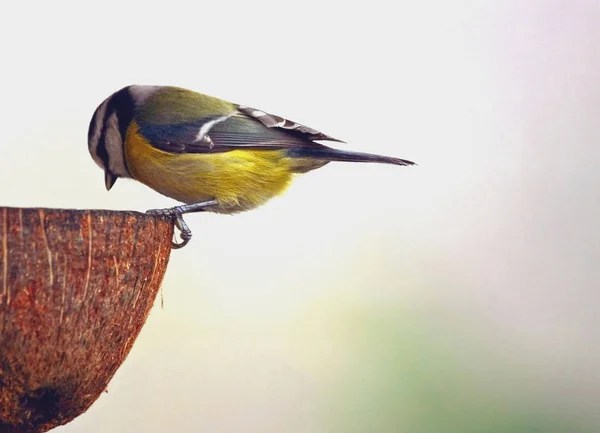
x=108, y=129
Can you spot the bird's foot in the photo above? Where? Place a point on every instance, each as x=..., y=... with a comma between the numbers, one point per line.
x=177, y=217
x=176, y=214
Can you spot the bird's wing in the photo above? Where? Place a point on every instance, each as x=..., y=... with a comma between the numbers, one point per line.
x=279, y=123
x=245, y=128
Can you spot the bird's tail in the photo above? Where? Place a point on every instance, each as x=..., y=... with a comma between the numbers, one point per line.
x=327, y=154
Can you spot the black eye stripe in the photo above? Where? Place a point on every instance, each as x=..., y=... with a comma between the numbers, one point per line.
x=122, y=103
x=101, y=150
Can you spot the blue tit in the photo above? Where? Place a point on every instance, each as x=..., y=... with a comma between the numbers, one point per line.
x=208, y=153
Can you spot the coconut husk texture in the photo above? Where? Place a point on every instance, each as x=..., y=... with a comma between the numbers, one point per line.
x=76, y=286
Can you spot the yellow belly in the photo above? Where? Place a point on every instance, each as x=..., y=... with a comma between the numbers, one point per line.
x=239, y=180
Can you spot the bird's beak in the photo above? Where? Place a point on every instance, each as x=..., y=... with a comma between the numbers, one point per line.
x=109, y=180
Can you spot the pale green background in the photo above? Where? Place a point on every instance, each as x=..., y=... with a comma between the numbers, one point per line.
x=457, y=296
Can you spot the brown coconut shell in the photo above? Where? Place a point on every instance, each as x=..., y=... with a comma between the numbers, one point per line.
x=76, y=287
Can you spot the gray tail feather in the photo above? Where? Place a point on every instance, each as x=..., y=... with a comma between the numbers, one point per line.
x=328, y=154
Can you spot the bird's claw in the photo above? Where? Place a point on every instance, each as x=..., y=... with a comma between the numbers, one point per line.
x=176, y=214
x=185, y=232
x=177, y=217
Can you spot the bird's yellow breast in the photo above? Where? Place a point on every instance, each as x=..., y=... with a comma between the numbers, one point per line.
x=239, y=180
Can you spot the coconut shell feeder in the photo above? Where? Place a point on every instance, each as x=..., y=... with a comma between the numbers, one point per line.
x=76, y=286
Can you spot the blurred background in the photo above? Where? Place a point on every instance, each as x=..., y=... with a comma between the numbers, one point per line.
x=457, y=296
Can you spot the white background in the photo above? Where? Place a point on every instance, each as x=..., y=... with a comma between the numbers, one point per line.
x=459, y=295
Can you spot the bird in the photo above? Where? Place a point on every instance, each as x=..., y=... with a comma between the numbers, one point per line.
x=208, y=153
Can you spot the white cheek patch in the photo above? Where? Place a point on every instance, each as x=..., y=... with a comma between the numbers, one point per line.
x=114, y=147
x=112, y=137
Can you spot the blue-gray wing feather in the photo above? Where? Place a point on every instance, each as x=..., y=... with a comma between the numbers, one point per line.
x=248, y=129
